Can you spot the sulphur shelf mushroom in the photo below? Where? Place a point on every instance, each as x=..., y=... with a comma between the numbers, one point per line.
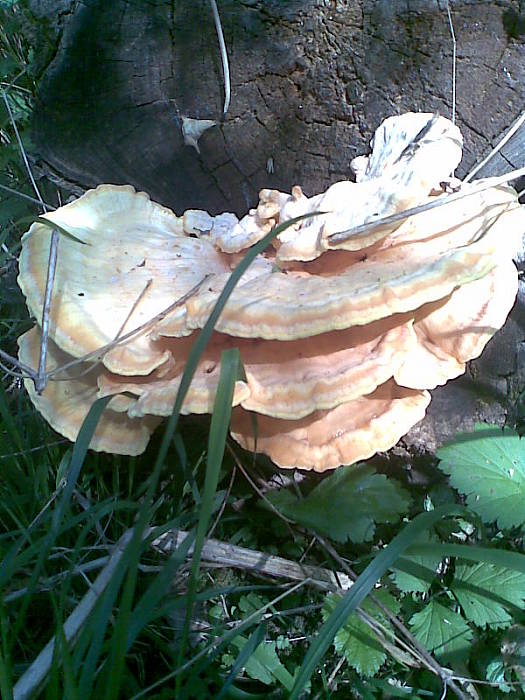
x=342, y=327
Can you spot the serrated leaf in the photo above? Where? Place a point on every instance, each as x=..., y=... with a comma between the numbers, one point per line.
x=495, y=673
x=488, y=466
x=442, y=631
x=363, y=585
x=347, y=504
x=411, y=582
x=264, y=665
x=250, y=602
x=355, y=640
x=480, y=606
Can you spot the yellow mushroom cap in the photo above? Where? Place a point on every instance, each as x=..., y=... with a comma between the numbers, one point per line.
x=458, y=328
x=432, y=254
x=66, y=400
x=341, y=333
x=343, y=435
x=283, y=379
x=136, y=261
x=412, y=153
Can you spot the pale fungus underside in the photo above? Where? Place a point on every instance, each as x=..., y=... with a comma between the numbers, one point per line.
x=340, y=336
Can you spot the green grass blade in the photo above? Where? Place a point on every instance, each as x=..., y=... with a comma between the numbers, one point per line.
x=6, y=687
x=78, y=456
x=220, y=422
x=129, y=562
x=498, y=557
x=215, y=647
x=77, y=460
x=52, y=226
x=70, y=690
x=207, y=330
x=240, y=662
x=11, y=429
x=150, y=601
x=6, y=681
x=361, y=588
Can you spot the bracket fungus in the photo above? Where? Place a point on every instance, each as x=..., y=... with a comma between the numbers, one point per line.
x=343, y=323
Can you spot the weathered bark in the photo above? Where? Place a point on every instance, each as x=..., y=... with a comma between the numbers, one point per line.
x=311, y=80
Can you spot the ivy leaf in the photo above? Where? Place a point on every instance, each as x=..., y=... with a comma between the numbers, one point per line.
x=347, y=504
x=411, y=582
x=264, y=665
x=355, y=640
x=442, y=631
x=488, y=466
x=479, y=606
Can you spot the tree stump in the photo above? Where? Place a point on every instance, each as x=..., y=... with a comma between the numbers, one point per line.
x=310, y=81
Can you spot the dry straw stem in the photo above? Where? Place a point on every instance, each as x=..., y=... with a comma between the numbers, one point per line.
x=218, y=641
x=40, y=379
x=224, y=55
x=454, y=51
x=22, y=149
x=520, y=121
x=97, y=354
x=36, y=674
x=25, y=196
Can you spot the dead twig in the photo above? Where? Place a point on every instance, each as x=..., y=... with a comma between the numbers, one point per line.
x=224, y=56
x=480, y=186
x=520, y=121
x=454, y=62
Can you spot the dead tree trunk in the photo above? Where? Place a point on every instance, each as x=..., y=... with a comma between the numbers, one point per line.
x=310, y=81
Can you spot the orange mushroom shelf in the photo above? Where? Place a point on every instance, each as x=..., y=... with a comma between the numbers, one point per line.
x=341, y=336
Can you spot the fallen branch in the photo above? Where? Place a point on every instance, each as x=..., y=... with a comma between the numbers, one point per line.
x=213, y=551
x=224, y=554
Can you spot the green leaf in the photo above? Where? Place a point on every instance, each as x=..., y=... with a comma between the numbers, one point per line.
x=220, y=422
x=442, y=631
x=495, y=673
x=264, y=665
x=250, y=603
x=247, y=650
x=491, y=582
x=499, y=557
x=488, y=466
x=385, y=559
x=347, y=504
x=408, y=582
x=360, y=646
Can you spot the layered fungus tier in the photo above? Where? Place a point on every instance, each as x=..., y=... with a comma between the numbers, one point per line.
x=357, y=307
